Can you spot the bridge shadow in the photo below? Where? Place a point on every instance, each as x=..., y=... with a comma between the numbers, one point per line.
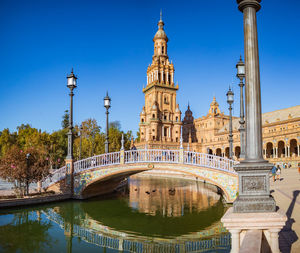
x=287, y=236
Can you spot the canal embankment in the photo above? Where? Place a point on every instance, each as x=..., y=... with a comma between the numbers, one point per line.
x=33, y=200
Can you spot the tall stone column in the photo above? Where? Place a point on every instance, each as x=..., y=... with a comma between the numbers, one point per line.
x=254, y=184
x=285, y=151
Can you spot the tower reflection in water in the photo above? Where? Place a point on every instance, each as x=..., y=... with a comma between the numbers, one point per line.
x=170, y=197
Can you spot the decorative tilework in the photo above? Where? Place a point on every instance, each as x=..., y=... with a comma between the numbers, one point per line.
x=227, y=182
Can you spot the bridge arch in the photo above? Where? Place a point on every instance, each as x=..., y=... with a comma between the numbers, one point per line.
x=107, y=170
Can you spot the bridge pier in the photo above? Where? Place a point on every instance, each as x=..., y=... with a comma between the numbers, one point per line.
x=69, y=182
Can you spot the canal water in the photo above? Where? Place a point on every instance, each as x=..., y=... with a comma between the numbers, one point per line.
x=149, y=214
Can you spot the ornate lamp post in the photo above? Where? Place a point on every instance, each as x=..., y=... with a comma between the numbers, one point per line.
x=230, y=100
x=80, y=141
x=27, y=170
x=107, y=106
x=253, y=172
x=241, y=75
x=254, y=186
x=72, y=84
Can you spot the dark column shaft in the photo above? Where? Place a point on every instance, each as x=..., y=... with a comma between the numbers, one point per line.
x=253, y=97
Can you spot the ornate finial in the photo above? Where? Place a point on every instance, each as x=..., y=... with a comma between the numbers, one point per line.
x=241, y=58
x=181, y=140
x=188, y=105
x=72, y=71
x=161, y=14
x=122, y=142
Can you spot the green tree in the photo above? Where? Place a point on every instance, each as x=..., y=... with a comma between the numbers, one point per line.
x=23, y=167
x=58, y=148
x=6, y=141
x=91, y=139
x=138, y=136
x=65, y=120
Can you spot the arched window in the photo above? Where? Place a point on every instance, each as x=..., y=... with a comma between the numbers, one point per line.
x=162, y=49
x=177, y=119
x=142, y=120
x=153, y=116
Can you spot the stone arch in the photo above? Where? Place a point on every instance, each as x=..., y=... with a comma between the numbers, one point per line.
x=281, y=149
x=86, y=183
x=209, y=151
x=293, y=148
x=218, y=152
x=227, y=152
x=237, y=152
x=269, y=150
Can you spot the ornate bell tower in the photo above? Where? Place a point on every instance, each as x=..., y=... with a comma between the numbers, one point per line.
x=160, y=119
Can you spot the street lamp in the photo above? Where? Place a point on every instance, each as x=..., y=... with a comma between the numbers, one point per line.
x=107, y=106
x=80, y=141
x=240, y=66
x=230, y=100
x=27, y=168
x=72, y=84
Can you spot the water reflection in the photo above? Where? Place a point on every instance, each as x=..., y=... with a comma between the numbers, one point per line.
x=175, y=216
x=17, y=235
x=170, y=197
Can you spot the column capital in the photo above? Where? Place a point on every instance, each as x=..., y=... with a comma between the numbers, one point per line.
x=249, y=3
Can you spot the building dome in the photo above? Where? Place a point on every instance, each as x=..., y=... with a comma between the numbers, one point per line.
x=161, y=34
x=188, y=116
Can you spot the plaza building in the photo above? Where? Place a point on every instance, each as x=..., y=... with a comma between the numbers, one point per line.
x=161, y=124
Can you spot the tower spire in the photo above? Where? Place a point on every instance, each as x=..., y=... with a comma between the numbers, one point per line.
x=160, y=14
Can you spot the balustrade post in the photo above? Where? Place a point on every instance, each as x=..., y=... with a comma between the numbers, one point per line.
x=181, y=155
x=122, y=156
x=39, y=186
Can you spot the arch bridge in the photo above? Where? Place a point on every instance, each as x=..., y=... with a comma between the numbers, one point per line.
x=102, y=173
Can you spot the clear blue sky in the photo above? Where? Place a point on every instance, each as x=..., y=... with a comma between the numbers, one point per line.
x=109, y=44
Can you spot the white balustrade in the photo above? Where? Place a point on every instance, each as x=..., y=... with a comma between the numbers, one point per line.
x=54, y=177
x=152, y=155
x=97, y=161
x=144, y=156
x=210, y=161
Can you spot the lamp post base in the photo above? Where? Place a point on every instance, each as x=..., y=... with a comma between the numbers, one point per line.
x=254, y=188
x=254, y=204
